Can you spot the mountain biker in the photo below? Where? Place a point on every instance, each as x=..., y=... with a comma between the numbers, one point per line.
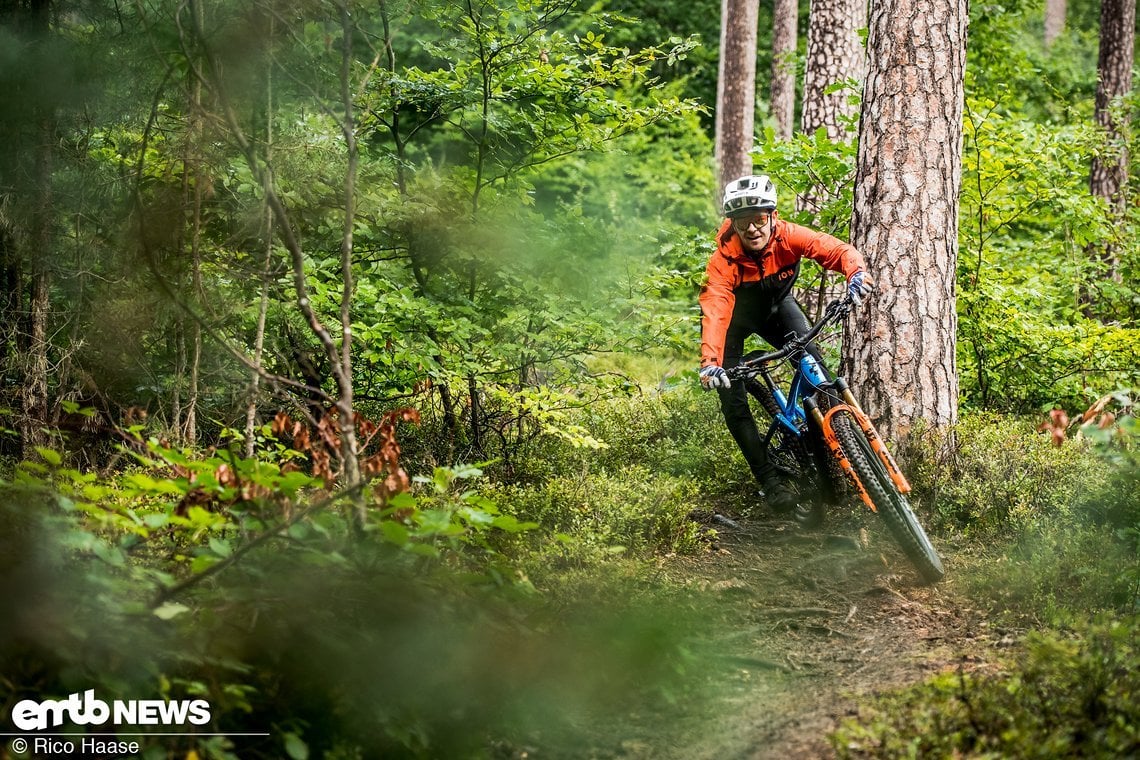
x=748, y=291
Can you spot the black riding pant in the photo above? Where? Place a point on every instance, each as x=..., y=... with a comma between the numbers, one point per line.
x=775, y=322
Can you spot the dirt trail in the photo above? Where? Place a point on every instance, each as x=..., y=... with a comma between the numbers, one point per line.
x=810, y=624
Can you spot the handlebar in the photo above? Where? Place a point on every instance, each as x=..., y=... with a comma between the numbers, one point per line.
x=835, y=311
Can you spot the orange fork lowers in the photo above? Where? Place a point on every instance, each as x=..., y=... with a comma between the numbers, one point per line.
x=852, y=408
x=873, y=437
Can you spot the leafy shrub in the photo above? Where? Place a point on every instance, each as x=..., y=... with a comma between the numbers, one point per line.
x=396, y=643
x=629, y=510
x=1054, y=573
x=1067, y=696
x=1117, y=501
x=675, y=431
x=995, y=474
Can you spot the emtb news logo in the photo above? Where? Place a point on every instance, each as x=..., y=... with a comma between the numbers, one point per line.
x=30, y=715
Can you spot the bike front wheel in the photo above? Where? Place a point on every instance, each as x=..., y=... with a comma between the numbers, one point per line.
x=888, y=500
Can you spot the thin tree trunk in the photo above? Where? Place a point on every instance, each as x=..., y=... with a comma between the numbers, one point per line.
x=1055, y=12
x=194, y=170
x=34, y=389
x=339, y=355
x=266, y=266
x=259, y=341
x=10, y=295
x=899, y=349
x=350, y=453
x=1108, y=176
x=784, y=38
x=191, y=428
x=179, y=375
x=736, y=90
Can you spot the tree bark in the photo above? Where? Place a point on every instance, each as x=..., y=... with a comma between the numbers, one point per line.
x=1055, y=11
x=834, y=54
x=784, y=37
x=736, y=90
x=900, y=347
x=1108, y=176
x=34, y=391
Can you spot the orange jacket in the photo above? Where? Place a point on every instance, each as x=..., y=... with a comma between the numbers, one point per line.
x=731, y=266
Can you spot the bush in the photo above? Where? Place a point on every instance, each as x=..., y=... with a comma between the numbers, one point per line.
x=675, y=431
x=994, y=475
x=631, y=511
x=1068, y=696
x=1055, y=573
x=336, y=646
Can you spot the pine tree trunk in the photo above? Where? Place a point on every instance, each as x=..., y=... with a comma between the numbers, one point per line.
x=736, y=89
x=1109, y=173
x=784, y=35
x=263, y=305
x=834, y=54
x=899, y=350
x=1055, y=11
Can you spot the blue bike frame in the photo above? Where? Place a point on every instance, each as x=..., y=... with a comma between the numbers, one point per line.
x=808, y=373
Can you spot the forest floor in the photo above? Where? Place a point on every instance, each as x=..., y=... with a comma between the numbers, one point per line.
x=808, y=626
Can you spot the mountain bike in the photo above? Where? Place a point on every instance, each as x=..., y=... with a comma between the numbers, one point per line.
x=821, y=439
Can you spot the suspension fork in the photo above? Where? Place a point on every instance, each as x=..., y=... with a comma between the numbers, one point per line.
x=824, y=423
x=851, y=406
x=873, y=437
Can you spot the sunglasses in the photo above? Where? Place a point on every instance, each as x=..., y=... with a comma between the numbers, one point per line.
x=742, y=223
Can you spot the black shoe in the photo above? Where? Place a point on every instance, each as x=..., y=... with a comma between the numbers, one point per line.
x=779, y=495
x=809, y=515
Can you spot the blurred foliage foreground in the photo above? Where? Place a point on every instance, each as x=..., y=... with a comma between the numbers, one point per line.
x=469, y=618
x=245, y=583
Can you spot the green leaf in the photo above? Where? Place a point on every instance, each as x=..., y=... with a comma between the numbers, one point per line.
x=220, y=547
x=170, y=610
x=402, y=500
x=112, y=555
x=156, y=520
x=203, y=562
x=394, y=532
x=512, y=525
x=295, y=747
x=51, y=456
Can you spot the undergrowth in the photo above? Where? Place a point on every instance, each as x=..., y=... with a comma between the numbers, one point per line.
x=1054, y=550
x=1070, y=694
x=469, y=616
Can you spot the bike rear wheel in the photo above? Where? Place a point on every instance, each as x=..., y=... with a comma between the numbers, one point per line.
x=787, y=453
x=888, y=500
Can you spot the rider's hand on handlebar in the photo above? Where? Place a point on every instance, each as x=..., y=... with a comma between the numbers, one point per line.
x=859, y=287
x=714, y=377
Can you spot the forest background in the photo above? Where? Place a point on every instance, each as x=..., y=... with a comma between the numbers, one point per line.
x=348, y=363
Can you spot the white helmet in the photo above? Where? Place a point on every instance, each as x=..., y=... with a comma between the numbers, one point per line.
x=749, y=194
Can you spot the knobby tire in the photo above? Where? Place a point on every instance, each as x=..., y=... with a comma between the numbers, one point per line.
x=890, y=503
